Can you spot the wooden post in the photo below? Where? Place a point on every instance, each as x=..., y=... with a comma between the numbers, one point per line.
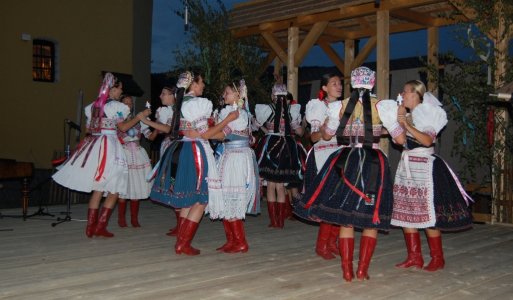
x=382, y=66
x=499, y=166
x=277, y=69
x=432, y=58
x=292, y=69
x=348, y=62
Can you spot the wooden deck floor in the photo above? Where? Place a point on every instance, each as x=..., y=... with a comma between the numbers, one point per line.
x=38, y=261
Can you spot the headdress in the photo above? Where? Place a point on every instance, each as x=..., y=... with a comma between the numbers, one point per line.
x=108, y=82
x=363, y=77
x=431, y=99
x=243, y=93
x=279, y=89
x=185, y=80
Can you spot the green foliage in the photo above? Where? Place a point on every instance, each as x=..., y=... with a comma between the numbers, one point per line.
x=466, y=88
x=210, y=47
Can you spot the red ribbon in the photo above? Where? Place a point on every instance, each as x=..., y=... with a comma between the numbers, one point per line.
x=102, y=160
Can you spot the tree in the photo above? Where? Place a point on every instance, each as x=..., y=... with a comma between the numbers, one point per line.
x=211, y=48
x=467, y=87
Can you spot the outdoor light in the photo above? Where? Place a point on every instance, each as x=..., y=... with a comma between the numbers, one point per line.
x=186, y=16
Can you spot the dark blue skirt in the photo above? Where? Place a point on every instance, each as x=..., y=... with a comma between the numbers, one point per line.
x=180, y=180
x=279, y=159
x=452, y=212
x=353, y=188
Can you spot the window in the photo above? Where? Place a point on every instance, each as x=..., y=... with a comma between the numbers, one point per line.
x=43, y=61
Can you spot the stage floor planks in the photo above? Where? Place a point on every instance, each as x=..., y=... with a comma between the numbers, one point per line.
x=38, y=261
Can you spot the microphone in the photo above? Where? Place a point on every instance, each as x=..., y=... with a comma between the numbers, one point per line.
x=504, y=96
x=73, y=125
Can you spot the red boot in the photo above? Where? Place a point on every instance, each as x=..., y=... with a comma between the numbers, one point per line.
x=332, y=241
x=367, y=245
x=437, y=254
x=121, y=213
x=103, y=221
x=346, y=248
x=414, y=250
x=134, y=213
x=92, y=218
x=174, y=231
x=183, y=243
x=272, y=210
x=280, y=214
x=239, y=236
x=229, y=237
x=288, y=209
x=321, y=247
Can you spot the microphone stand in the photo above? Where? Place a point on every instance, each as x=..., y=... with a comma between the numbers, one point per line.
x=67, y=152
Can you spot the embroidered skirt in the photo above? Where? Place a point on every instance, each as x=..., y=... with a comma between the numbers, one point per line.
x=138, y=167
x=186, y=175
x=353, y=188
x=428, y=194
x=98, y=164
x=240, y=183
x=279, y=159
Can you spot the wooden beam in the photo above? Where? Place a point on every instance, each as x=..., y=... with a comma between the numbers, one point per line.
x=432, y=58
x=345, y=12
x=414, y=17
x=383, y=63
x=332, y=54
x=292, y=68
x=310, y=40
x=335, y=32
x=349, y=51
x=364, y=52
x=275, y=45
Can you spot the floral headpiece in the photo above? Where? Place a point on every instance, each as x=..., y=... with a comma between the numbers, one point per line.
x=243, y=93
x=363, y=77
x=279, y=89
x=108, y=82
x=185, y=80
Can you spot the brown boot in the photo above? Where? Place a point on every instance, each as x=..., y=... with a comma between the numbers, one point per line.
x=134, y=213
x=92, y=219
x=121, y=213
x=367, y=246
x=103, y=221
x=321, y=247
x=346, y=248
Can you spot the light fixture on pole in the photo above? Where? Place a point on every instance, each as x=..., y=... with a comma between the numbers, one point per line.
x=186, y=16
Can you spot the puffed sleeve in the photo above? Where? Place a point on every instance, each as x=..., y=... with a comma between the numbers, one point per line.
x=262, y=113
x=295, y=114
x=430, y=119
x=197, y=111
x=333, y=117
x=164, y=115
x=387, y=110
x=145, y=129
x=116, y=110
x=241, y=123
x=315, y=114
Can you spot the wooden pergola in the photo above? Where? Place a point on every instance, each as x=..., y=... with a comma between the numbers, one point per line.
x=290, y=28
